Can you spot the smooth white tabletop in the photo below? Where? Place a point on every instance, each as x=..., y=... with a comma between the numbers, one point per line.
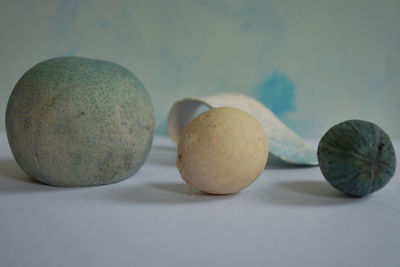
x=289, y=217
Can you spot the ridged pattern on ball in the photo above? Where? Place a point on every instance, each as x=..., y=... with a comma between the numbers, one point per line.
x=356, y=157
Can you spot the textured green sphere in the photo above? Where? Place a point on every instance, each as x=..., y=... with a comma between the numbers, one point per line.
x=75, y=121
x=356, y=157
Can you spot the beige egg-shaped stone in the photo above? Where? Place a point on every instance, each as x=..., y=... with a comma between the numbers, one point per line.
x=222, y=151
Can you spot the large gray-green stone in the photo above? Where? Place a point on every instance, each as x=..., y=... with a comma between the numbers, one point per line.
x=75, y=121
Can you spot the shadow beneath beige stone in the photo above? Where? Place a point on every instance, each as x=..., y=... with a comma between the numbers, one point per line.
x=161, y=193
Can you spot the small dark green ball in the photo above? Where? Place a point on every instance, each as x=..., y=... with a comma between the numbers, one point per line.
x=75, y=121
x=356, y=157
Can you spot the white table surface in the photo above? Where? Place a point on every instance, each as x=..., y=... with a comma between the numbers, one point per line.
x=288, y=217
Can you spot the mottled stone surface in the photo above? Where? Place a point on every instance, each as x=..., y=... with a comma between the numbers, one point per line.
x=356, y=157
x=74, y=121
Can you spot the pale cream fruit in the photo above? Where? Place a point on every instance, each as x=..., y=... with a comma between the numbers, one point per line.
x=222, y=151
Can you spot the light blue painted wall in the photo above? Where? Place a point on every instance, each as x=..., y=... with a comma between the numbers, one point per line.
x=314, y=63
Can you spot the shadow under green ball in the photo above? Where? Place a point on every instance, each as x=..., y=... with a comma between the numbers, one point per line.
x=356, y=157
x=75, y=121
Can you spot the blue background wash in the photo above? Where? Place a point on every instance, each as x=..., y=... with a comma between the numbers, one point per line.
x=313, y=63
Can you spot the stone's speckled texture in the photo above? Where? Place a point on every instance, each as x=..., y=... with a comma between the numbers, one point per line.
x=74, y=121
x=356, y=157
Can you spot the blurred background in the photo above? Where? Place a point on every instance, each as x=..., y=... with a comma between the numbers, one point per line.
x=314, y=63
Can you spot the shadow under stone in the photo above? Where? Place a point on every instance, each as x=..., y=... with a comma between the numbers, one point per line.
x=307, y=193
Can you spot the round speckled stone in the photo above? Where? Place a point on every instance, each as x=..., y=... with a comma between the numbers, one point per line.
x=75, y=121
x=356, y=157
